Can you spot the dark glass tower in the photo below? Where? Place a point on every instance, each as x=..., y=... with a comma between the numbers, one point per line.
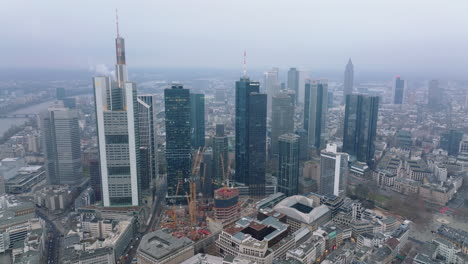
x=399, y=90
x=315, y=112
x=197, y=112
x=178, y=140
x=282, y=119
x=450, y=141
x=360, y=126
x=257, y=144
x=288, y=164
x=250, y=153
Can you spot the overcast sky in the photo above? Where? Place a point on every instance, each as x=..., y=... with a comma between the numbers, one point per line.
x=379, y=35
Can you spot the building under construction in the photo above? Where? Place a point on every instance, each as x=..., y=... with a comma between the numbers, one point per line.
x=226, y=205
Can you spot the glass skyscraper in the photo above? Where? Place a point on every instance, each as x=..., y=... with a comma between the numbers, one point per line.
x=282, y=118
x=148, y=145
x=315, y=112
x=178, y=140
x=288, y=164
x=293, y=82
x=61, y=141
x=251, y=108
x=360, y=126
x=348, y=85
x=197, y=112
x=399, y=91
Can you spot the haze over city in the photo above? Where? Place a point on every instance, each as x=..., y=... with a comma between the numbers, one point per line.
x=418, y=37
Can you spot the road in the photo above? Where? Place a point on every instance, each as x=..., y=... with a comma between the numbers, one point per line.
x=155, y=218
x=53, y=239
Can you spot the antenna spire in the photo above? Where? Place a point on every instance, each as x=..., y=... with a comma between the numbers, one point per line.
x=117, y=21
x=244, y=67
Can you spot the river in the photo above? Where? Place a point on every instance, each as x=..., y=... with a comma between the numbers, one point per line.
x=6, y=123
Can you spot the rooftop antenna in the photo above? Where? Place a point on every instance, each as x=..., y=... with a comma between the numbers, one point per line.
x=244, y=67
x=117, y=21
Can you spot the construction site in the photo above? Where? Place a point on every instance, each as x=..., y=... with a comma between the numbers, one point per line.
x=191, y=218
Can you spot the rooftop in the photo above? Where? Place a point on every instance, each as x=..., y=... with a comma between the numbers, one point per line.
x=161, y=243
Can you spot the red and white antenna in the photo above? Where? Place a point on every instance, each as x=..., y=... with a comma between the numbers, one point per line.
x=244, y=67
x=117, y=21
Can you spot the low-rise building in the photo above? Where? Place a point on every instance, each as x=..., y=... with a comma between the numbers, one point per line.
x=160, y=247
x=300, y=212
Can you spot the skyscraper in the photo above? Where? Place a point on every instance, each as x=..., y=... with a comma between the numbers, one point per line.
x=272, y=86
x=257, y=144
x=348, y=85
x=293, y=81
x=118, y=134
x=398, y=91
x=147, y=135
x=435, y=93
x=251, y=107
x=95, y=177
x=197, y=116
x=61, y=141
x=360, y=126
x=288, y=164
x=178, y=140
x=220, y=155
x=315, y=112
x=282, y=118
x=333, y=171
x=119, y=150
x=450, y=141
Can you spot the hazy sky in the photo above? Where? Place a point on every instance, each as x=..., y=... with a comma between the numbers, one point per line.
x=379, y=35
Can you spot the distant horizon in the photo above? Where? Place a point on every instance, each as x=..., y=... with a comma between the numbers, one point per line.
x=15, y=73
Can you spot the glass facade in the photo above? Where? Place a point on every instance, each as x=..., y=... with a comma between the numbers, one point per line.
x=360, y=126
x=399, y=91
x=197, y=105
x=288, y=164
x=315, y=112
x=282, y=119
x=178, y=140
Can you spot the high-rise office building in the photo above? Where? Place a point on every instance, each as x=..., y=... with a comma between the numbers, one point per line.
x=60, y=93
x=147, y=136
x=257, y=144
x=95, y=177
x=293, y=82
x=333, y=171
x=315, y=112
x=119, y=151
x=220, y=155
x=244, y=87
x=288, y=164
x=197, y=116
x=282, y=118
x=206, y=174
x=61, y=141
x=303, y=144
x=348, y=85
x=251, y=108
x=272, y=86
x=434, y=94
x=450, y=141
x=398, y=91
x=360, y=126
x=118, y=134
x=178, y=140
